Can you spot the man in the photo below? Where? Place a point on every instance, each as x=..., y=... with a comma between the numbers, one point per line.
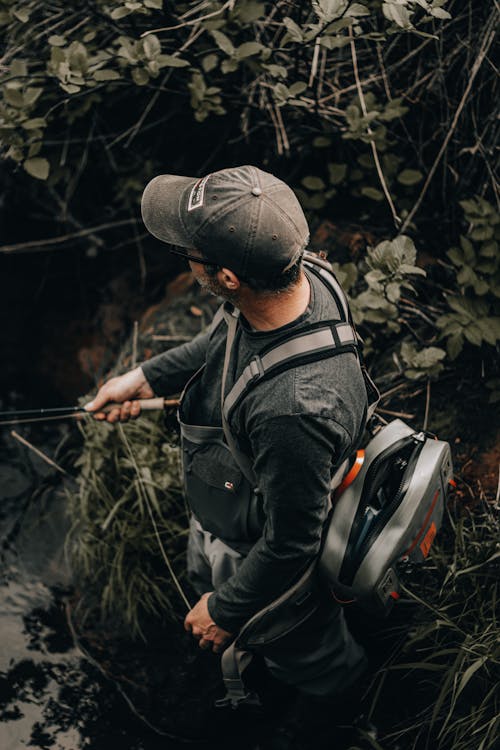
x=244, y=234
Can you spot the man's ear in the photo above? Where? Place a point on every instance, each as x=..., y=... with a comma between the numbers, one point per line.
x=228, y=279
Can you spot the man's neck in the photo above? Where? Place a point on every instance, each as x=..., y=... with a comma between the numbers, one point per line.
x=266, y=312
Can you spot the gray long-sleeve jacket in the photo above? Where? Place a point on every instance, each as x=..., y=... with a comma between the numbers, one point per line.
x=297, y=427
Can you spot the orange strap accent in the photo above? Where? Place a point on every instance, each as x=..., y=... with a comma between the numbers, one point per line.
x=452, y=483
x=352, y=473
x=422, y=528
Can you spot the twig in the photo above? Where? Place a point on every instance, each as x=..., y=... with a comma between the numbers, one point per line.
x=35, y=245
x=314, y=64
x=161, y=337
x=401, y=414
x=497, y=497
x=135, y=335
x=153, y=521
x=279, y=145
x=393, y=390
x=281, y=125
x=395, y=217
x=485, y=46
x=38, y=452
x=217, y=12
x=427, y=404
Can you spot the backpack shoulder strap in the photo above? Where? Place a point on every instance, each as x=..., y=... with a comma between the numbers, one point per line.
x=311, y=344
x=324, y=271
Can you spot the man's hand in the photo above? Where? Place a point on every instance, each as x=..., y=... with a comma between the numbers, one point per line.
x=201, y=625
x=131, y=385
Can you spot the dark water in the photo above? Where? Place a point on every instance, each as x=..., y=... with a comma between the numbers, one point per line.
x=50, y=696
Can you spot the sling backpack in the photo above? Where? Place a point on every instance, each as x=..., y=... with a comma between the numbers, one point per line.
x=386, y=505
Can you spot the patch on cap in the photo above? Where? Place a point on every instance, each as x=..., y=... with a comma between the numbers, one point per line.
x=197, y=194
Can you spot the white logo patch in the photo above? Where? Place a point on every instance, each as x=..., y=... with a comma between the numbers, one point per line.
x=197, y=194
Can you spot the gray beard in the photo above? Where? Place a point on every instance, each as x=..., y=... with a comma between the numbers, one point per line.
x=210, y=284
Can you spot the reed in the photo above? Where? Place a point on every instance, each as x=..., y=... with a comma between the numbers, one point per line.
x=129, y=519
x=450, y=659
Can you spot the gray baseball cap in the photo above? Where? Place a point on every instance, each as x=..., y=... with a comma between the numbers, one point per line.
x=240, y=218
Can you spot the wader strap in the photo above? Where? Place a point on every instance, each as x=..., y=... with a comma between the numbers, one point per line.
x=233, y=663
x=236, y=657
x=241, y=459
x=218, y=318
x=323, y=269
x=332, y=339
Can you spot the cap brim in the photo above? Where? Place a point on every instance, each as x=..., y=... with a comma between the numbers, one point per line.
x=160, y=208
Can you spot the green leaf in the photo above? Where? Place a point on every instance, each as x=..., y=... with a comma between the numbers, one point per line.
x=247, y=49
x=440, y=13
x=118, y=13
x=322, y=141
x=408, y=268
x=56, y=41
x=249, y=11
x=454, y=345
x=223, y=42
x=297, y=88
x=398, y=14
x=151, y=46
x=329, y=9
x=106, y=74
x=169, y=61
x=316, y=201
x=356, y=10
x=473, y=334
x=409, y=177
x=209, y=62
x=393, y=291
x=155, y=4
x=140, y=76
x=456, y=256
x=14, y=97
x=37, y=167
x=373, y=193
x=468, y=249
x=22, y=14
x=294, y=30
x=489, y=249
x=34, y=122
x=336, y=173
x=482, y=233
x=313, y=183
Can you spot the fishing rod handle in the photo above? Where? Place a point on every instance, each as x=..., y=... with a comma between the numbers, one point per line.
x=146, y=404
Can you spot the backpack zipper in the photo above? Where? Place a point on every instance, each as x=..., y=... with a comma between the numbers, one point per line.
x=349, y=566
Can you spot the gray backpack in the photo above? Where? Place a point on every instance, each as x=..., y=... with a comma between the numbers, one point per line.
x=386, y=504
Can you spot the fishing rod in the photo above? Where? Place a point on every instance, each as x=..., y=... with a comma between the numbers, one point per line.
x=64, y=412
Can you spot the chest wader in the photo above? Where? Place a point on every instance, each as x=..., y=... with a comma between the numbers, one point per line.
x=386, y=510
x=221, y=485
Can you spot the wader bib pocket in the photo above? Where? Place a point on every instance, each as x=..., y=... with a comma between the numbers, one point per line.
x=219, y=496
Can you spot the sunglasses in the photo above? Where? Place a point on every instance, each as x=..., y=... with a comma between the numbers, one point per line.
x=177, y=251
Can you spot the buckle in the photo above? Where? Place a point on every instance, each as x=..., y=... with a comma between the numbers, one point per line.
x=234, y=702
x=256, y=369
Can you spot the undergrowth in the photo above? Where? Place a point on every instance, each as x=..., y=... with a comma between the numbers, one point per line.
x=447, y=670
x=129, y=521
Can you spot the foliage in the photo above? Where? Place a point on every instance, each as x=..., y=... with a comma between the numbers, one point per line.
x=129, y=505
x=452, y=651
x=475, y=313
x=426, y=362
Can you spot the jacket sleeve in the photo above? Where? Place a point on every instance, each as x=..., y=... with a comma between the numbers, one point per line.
x=294, y=458
x=169, y=371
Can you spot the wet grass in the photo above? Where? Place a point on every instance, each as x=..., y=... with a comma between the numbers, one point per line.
x=129, y=522
x=446, y=673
